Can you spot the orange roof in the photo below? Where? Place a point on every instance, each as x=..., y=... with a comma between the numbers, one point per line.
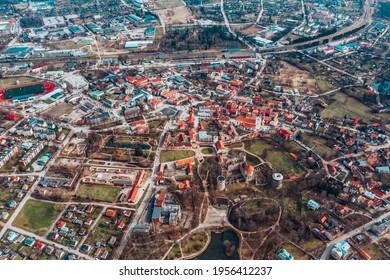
x=131, y=79
x=249, y=169
x=184, y=185
x=190, y=160
x=224, y=118
x=160, y=199
x=192, y=133
x=189, y=169
x=169, y=94
x=140, y=177
x=110, y=213
x=161, y=168
x=138, y=123
x=219, y=145
x=133, y=194
x=156, y=80
x=236, y=83
x=61, y=224
x=246, y=120
x=220, y=86
x=121, y=224
x=294, y=155
x=364, y=254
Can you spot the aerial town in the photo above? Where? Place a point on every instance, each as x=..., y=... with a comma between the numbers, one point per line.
x=164, y=129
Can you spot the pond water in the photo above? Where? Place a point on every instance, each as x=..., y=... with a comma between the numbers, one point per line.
x=216, y=248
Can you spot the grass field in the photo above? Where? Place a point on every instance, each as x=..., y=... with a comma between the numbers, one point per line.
x=318, y=144
x=66, y=45
x=175, y=155
x=154, y=124
x=258, y=147
x=281, y=161
x=169, y=4
x=297, y=253
x=174, y=253
x=312, y=244
x=323, y=84
x=194, y=242
x=7, y=82
x=345, y=105
x=11, y=164
x=98, y=193
x=375, y=251
x=37, y=216
x=207, y=151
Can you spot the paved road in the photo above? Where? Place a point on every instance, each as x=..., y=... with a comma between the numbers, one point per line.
x=40, y=238
x=332, y=67
x=92, y=227
x=143, y=205
x=261, y=11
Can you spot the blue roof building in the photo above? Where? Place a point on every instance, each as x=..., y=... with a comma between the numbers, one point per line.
x=340, y=250
x=382, y=169
x=150, y=32
x=134, y=18
x=311, y=204
x=381, y=227
x=156, y=215
x=284, y=255
x=12, y=236
x=340, y=48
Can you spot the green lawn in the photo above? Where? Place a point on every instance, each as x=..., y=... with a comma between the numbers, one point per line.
x=98, y=193
x=175, y=155
x=174, y=253
x=11, y=164
x=345, y=105
x=281, y=161
x=258, y=146
x=375, y=251
x=169, y=4
x=194, y=242
x=155, y=124
x=38, y=216
x=296, y=252
x=318, y=144
x=7, y=82
x=207, y=151
x=323, y=84
x=312, y=244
